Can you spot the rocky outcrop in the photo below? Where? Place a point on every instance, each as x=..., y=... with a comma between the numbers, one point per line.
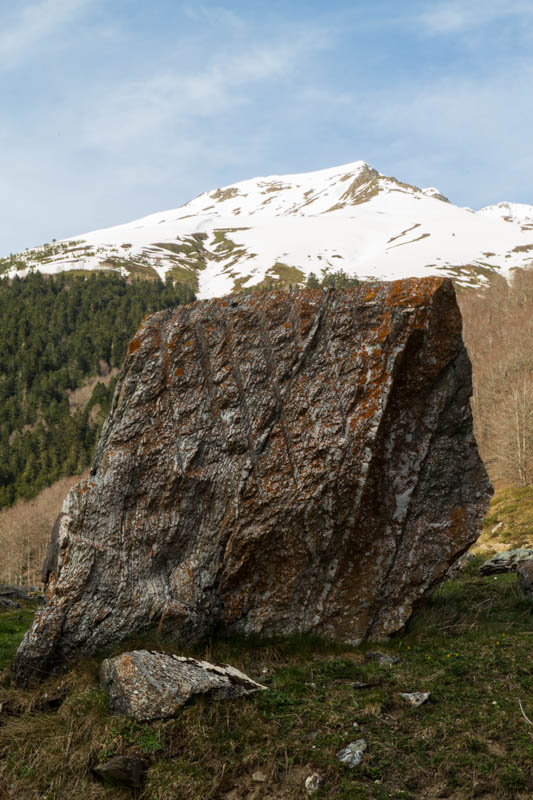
x=146, y=685
x=278, y=462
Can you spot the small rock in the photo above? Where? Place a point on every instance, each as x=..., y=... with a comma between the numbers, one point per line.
x=122, y=771
x=313, y=783
x=497, y=528
x=259, y=777
x=505, y=562
x=365, y=684
x=381, y=658
x=524, y=572
x=352, y=754
x=415, y=698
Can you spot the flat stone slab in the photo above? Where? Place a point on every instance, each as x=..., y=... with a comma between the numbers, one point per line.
x=147, y=685
x=506, y=561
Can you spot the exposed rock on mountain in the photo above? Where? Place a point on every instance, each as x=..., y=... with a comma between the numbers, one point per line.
x=282, y=227
x=279, y=462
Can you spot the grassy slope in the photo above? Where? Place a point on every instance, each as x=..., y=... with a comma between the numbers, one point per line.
x=469, y=646
x=509, y=521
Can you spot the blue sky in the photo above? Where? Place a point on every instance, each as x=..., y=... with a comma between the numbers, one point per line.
x=113, y=109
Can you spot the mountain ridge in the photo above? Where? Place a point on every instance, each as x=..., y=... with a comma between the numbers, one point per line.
x=283, y=227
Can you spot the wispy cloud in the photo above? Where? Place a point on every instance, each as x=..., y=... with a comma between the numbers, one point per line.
x=133, y=110
x=32, y=23
x=214, y=15
x=455, y=16
x=450, y=129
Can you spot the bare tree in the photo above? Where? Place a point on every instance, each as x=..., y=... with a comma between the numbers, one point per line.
x=498, y=332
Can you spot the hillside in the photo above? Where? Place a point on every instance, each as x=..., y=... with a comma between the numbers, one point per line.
x=57, y=335
x=258, y=231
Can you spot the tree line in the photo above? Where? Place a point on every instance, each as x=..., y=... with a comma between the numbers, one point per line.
x=56, y=332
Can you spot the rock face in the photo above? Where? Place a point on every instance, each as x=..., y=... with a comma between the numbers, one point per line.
x=278, y=462
x=147, y=685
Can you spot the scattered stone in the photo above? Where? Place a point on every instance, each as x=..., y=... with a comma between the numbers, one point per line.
x=146, y=685
x=415, y=698
x=122, y=771
x=506, y=561
x=365, y=684
x=381, y=658
x=352, y=754
x=259, y=777
x=271, y=467
x=313, y=783
x=524, y=572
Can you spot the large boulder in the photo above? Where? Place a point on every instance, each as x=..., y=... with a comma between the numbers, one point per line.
x=272, y=463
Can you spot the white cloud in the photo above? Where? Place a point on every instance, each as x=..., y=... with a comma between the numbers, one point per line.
x=456, y=16
x=32, y=23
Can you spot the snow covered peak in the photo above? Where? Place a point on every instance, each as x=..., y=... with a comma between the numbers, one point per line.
x=280, y=228
x=326, y=191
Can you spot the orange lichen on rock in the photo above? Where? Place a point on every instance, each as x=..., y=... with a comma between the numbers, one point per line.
x=133, y=346
x=274, y=463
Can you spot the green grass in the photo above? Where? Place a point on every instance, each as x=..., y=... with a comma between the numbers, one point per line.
x=469, y=646
x=13, y=626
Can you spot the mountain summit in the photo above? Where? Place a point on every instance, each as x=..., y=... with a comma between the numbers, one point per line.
x=283, y=227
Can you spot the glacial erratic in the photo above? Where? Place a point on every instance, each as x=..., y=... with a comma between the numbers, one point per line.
x=273, y=463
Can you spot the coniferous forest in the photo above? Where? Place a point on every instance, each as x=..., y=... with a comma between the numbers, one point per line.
x=56, y=333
